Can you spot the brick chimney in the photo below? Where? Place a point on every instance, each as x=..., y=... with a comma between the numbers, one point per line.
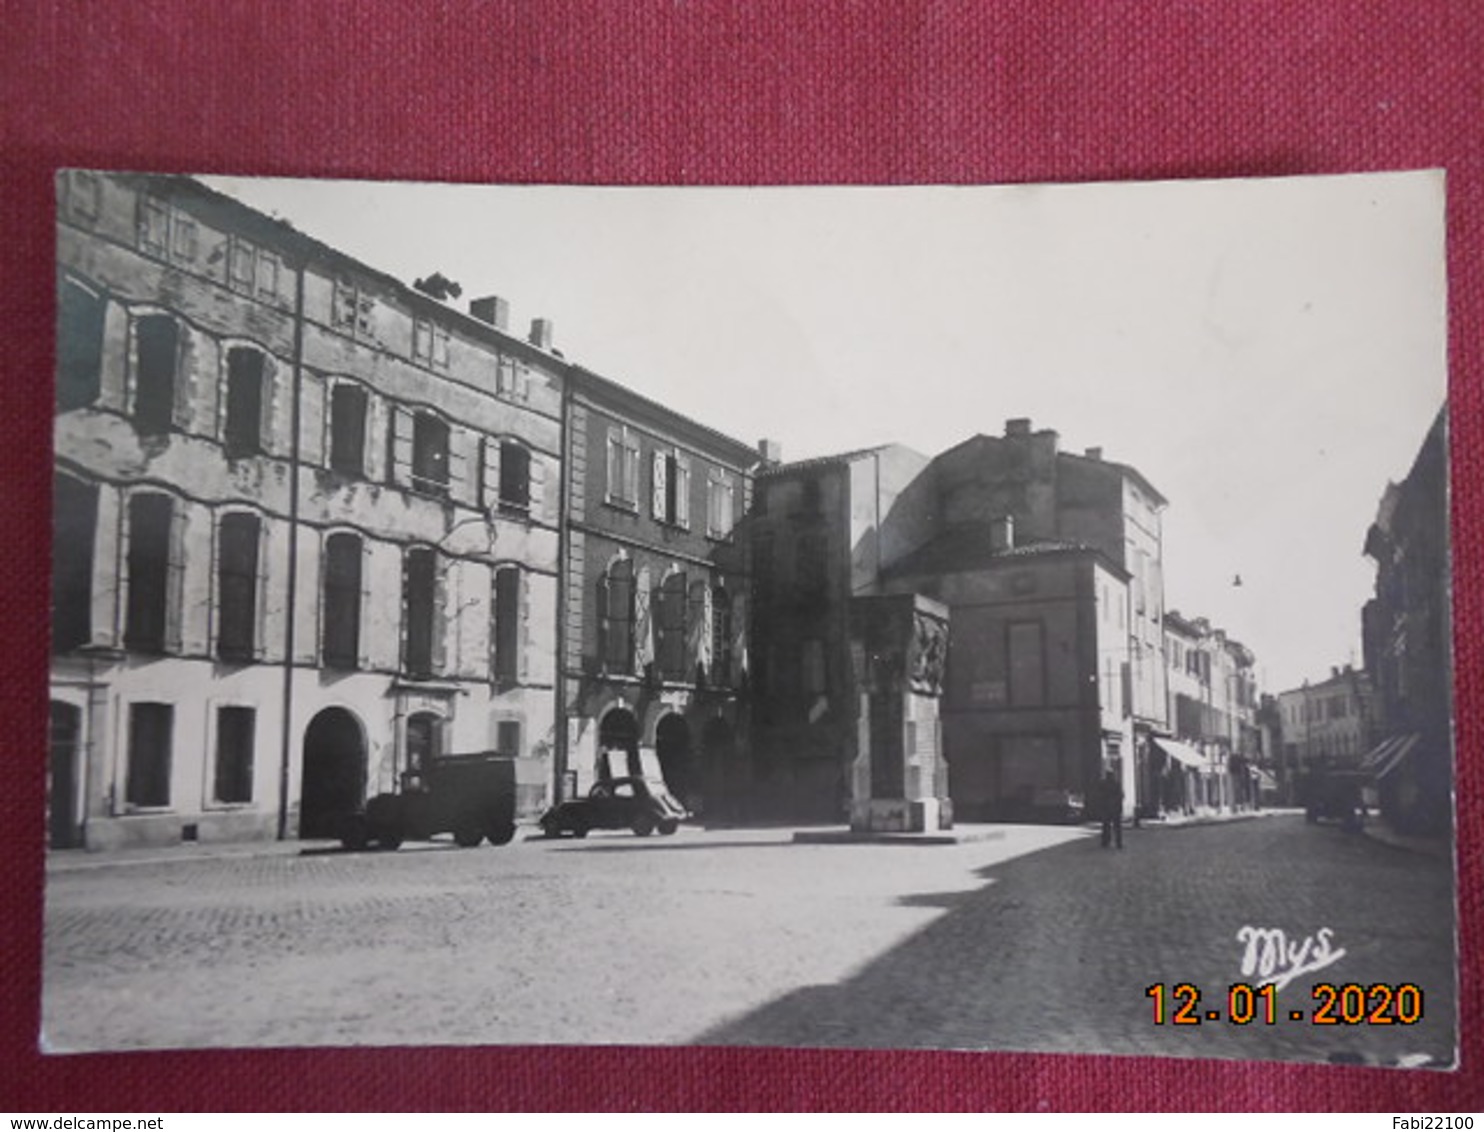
x=770, y=451
x=1094, y=453
x=492, y=310
x=1018, y=426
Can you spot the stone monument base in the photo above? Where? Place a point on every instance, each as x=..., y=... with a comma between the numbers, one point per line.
x=899, y=815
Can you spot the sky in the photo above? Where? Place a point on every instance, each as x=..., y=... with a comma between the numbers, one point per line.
x=1268, y=353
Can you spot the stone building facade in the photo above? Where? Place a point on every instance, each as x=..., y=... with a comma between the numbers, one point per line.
x=1328, y=723
x=654, y=641
x=306, y=526
x=1406, y=632
x=1212, y=758
x=822, y=532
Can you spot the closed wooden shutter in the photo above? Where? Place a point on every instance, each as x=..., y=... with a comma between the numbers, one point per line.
x=312, y=414
x=459, y=487
x=538, y=487
x=682, y=491
x=659, y=486
x=400, y=472
x=490, y=475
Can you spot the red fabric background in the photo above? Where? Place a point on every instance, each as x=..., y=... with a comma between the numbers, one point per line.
x=682, y=92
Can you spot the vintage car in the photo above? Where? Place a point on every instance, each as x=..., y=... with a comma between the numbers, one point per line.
x=640, y=804
x=470, y=796
x=1335, y=795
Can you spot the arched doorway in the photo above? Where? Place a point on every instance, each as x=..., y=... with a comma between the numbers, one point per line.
x=672, y=747
x=64, y=831
x=618, y=731
x=334, y=776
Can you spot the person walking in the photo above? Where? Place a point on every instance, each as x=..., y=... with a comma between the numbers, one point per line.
x=1110, y=801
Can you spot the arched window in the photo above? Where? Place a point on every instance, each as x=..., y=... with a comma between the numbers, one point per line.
x=670, y=628
x=237, y=586
x=515, y=477
x=430, y=454
x=419, y=600
x=348, y=429
x=341, y=610
x=616, y=613
x=506, y=635
x=148, y=567
x=242, y=432
x=157, y=352
x=74, y=532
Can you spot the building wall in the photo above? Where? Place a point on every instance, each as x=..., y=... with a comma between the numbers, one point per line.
x=1327, y=723
x=656, y=499
x=1030, y=720
x=137, y=254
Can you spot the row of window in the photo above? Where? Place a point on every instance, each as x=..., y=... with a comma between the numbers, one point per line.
x=680, y=631
x=152, y=740
x=151, y=750
x=670, y=484
x=509, y=479
x=154, y=561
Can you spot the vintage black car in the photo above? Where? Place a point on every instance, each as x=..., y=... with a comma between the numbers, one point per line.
x=469, y=796
x=633, y=803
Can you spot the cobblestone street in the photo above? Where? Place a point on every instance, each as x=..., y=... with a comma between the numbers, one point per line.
x=741, y=937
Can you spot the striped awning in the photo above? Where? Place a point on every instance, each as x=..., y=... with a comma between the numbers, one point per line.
x=1265, y=781
x=1181, y=753
x=1386, y=756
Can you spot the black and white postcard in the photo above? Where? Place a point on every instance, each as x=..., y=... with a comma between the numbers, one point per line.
x=922, y=617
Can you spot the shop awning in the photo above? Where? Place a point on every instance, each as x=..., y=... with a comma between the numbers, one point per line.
x=1388, y=755
x=1181, y=753
x=1265, y=781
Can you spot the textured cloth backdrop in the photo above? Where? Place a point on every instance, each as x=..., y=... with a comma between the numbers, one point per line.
x=706, y=93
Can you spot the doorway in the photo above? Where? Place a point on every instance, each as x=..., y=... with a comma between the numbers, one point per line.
x=334, y=775
x=64, y=830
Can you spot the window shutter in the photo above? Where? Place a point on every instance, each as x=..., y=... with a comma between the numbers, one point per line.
x=366, y=628
x=698, y=627
x=444, y=595
x=191, y=383
x=313, y=413
x=459, y=487
x=643, y=629
x=739, y=672
x=682, y=491
x=504, y=376
x=658, y=493
x=109, y=554
x=612, y=481
x=175, y=579
x=522, y=381
x=378, y=423
x=490, y=486
x=601, y=611
x=523, y=587
x=538, y=486
x=400, y=473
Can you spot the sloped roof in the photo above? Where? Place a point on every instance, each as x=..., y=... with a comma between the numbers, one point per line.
x=821, y=461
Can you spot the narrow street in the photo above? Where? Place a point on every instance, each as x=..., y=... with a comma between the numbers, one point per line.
x=1033, y=939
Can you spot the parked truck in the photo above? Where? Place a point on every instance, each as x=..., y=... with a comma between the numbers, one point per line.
x=471, y=796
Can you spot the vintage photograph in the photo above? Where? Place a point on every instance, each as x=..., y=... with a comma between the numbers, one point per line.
x=972, y=618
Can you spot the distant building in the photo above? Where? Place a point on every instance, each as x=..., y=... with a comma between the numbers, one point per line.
x=1083, y=500
x=1408, y=644
x=654, y=644
x=1034, y=708
x=304, y=537
x=1327, y=724
x=1212, y=759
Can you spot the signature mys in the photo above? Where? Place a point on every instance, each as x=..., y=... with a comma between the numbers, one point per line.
x=1274, y=958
